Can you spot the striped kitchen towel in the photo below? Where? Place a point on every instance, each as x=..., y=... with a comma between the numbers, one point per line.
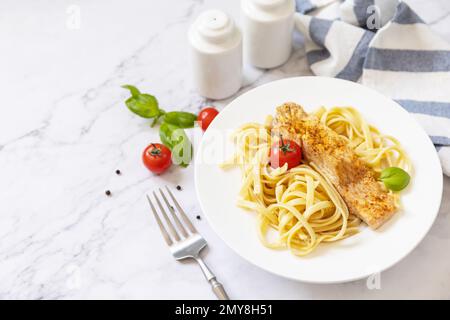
x=385, y=45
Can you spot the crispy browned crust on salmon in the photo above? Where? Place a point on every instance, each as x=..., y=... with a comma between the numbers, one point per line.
x=354, y=180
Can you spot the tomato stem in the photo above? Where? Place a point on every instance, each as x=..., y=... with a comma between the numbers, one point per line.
x=155, y=151
x=285, y=147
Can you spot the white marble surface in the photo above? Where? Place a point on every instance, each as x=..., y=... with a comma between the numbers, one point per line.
x=64, y=130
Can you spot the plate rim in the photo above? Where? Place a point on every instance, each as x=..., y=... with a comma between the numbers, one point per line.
x=300, y=279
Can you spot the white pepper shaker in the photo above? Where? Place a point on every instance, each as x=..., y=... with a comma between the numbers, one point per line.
x=267, y=27
x=216, y=55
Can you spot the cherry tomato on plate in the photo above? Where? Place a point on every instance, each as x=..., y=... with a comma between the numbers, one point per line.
x=285, y=151
x=206, y=116
x=157, y=158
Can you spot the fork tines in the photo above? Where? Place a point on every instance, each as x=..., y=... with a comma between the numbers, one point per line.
x=181, y=225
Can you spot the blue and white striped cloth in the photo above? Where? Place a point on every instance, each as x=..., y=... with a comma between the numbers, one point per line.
x=385, y=45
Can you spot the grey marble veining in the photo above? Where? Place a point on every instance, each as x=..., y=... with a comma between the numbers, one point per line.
x=64, y=130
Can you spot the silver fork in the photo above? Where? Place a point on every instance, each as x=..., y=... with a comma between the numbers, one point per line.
x=188, y=244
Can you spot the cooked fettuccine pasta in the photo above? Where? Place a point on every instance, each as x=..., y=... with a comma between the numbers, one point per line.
x=299, y=208
x=376, y=149
x=300, y=204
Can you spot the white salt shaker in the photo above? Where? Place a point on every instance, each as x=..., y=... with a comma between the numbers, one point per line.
x=267, y=26
x=216, y=55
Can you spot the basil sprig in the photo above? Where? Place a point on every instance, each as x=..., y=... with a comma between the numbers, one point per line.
x=171, y=130
x=394, y=178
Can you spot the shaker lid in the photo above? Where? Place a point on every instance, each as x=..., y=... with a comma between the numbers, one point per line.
x=214, y=29
x=269, y=4
x=268, y=9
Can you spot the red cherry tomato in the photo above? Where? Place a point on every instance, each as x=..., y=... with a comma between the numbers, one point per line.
x=206, y=116
x=157, y=158
x=285, y=151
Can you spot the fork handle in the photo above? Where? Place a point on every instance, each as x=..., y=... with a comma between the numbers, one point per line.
x=216, y=286
x=218, y=289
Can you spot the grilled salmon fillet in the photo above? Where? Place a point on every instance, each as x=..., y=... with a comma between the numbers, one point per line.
x=354, y=180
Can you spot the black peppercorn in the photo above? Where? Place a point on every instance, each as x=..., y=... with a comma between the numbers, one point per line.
x=118, y=172
x=108, y=193
x=198, y=217
x=178, y=187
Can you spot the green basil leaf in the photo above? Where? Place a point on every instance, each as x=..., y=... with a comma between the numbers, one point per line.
x=394, y=178
x=142, y=104
x=165, y=134
x=133, y=90
x=175, y=138
x=182, y=151
x=180, y=119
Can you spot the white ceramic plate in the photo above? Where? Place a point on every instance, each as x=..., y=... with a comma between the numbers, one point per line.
x=353, y=258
